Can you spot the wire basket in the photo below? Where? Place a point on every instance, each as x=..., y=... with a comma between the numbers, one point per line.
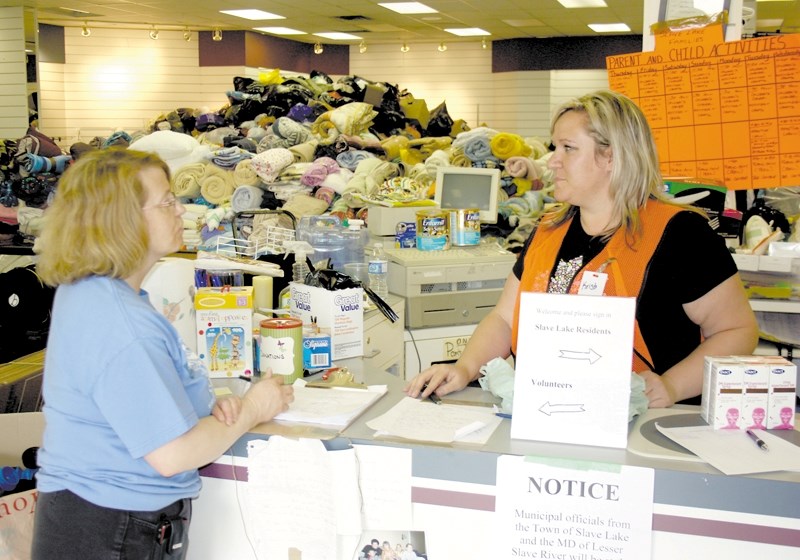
x=256, y=233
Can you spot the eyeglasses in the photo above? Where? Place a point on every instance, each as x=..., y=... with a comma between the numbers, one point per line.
x=170, y=202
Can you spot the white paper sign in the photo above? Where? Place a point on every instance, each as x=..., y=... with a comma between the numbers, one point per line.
x=573, y=369
x=572, y=510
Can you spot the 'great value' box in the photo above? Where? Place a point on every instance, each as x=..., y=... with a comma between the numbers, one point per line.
x=225, y=330
x=339, y=313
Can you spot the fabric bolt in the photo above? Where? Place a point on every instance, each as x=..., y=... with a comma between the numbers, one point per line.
x=216, y=184
x=243, y=174
x=246, y=198
x=269, y=164
x=186, y=182
x=505, y=145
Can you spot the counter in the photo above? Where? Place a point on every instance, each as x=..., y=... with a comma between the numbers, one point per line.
x=697, y=512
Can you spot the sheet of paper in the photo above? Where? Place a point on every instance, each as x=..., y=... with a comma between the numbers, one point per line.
x=289, y=503
x=733, y=452
x=572, y=510
x=423, y=420
x=384, y=478
x=572, y=376
x=336, y=407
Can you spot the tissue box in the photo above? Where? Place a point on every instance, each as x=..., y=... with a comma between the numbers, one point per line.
x=339, y=313
x=225, y=330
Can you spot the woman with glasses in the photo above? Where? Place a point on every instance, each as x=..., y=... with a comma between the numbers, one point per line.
x=130, y=414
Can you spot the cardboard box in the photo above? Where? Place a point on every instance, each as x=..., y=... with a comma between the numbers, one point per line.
x=339, y=313
x=225, y=330
x=782, y=387
x=722, y=393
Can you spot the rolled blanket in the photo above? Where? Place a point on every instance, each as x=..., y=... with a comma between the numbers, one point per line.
x=521, y=166
x=186, y=183
x=459, y=159
x=505, y=145
x=465, y=138
x=290, y=130
x=246, y=197
x=328, y=163
x=352, y=158
x=325, y=130
x=437, y=159
x=243, y=174
x=353, y=118
x=216, y=184
x=304, y=152
x=325, y=193
x=293, y=172
x=33, y=163
x=270, y=141
x=229, y=157
x=478, y=149
x=314, y=175
x=337, y=181
x=269, y=164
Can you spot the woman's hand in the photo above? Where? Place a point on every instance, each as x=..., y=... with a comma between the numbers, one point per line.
x=269, y=397
x=441, y=378
x=227, y=409
x=657, y=390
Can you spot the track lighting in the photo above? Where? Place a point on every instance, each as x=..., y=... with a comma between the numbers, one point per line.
x=154, y=34
x=85, y=31
x=318, y=49
x=405, y=48
x=442, y=47
x=187, y=35
x=362, y=47
x=484, y=44
x=217, y=35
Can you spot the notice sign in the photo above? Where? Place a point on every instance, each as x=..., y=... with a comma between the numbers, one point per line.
x=727, y=112
x=573, y=369
x=572, y=510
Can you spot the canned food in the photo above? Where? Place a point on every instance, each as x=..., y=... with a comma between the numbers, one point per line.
x=464, y=226
x=432, y=230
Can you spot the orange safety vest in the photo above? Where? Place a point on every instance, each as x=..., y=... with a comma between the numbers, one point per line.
x=624, y=259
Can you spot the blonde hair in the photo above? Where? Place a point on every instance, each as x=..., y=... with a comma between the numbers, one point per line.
x=95, y=226
x=617, y=124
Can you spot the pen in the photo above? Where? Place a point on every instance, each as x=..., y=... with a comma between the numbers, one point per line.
x=245, y=378
x=502, y=414
x=435, y=399
x=759, y=442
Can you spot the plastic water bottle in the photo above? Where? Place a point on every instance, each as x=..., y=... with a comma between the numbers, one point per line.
x=378, y=270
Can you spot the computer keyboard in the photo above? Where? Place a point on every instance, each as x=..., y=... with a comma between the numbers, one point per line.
x=455, y=255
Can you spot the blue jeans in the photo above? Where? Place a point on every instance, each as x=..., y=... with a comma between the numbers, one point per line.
x=67, y=527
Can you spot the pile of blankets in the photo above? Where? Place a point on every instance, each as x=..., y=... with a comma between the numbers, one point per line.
x=308, y=146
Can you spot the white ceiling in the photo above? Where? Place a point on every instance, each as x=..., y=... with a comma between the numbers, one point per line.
x=504, y=19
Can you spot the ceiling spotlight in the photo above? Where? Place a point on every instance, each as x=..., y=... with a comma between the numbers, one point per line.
x=362, y=47
x=154, y=34
x=187, y=35
x=442, y=47
x=405, y=48
x=216, y=35
x=318, y=48
x=85, y=31
x=484, y=44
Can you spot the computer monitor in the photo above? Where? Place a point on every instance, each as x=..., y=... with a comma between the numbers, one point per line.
x=469, y=187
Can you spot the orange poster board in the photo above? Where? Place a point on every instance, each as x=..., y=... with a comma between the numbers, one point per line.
x=728, y=112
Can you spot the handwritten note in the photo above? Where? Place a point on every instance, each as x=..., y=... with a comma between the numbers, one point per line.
x=384, y=475
x=336, y=407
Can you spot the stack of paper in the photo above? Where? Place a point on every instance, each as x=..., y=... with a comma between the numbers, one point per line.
x=422, y=420
x=335, y=406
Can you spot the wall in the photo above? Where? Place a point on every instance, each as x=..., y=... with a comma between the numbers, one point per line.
x=123, y=79
x=13, y=75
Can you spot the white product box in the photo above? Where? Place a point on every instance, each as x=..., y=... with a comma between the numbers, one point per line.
x=225, y=330
x=782, y=387
x=723, y=393
x=339, y=313
x=755, y=399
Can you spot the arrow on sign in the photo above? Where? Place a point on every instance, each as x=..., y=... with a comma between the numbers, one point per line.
x=549, y=409
x=591, y=355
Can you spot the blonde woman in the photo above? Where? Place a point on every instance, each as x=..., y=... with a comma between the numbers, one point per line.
x=129, y=418
x=613, y=218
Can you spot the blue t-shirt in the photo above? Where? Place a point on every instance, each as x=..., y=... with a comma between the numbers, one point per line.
x=117, y=385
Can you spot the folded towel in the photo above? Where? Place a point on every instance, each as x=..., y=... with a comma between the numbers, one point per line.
x=269, y=164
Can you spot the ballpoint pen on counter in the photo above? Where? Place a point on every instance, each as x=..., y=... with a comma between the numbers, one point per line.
x=759, y=442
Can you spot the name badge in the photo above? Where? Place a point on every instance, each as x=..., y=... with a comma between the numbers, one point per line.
x=592, y=283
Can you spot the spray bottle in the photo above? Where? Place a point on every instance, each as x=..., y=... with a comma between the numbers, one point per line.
x=301, y=250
